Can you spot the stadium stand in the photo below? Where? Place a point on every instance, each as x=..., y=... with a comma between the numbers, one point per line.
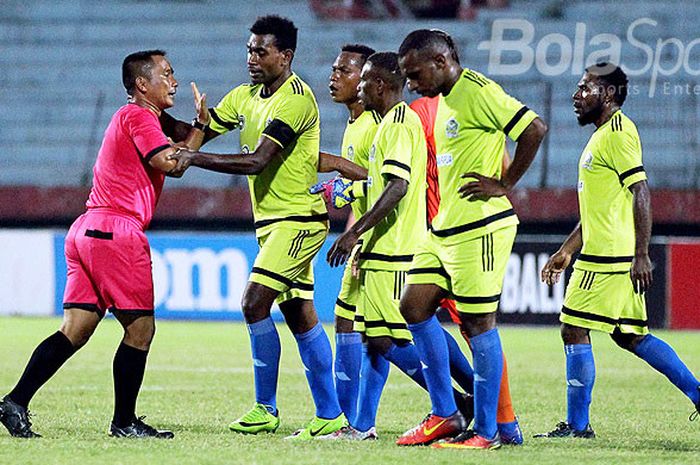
x=60, y=79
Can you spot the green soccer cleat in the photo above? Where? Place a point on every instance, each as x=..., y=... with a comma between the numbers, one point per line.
x=319, y=427
x=257, y=420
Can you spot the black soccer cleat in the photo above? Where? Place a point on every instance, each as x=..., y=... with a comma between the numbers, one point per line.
x=139, y=429
x=465, y=404
x=696, y=414
x=16, y=419
x=564, y=430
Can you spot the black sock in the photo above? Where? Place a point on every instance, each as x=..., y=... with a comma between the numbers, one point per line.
x=128, y=368
x=43, y=364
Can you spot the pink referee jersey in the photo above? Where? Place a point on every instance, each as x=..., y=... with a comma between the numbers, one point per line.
x=107, y=254
x=122, y=178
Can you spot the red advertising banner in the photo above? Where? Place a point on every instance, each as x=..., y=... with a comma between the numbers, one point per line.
x=683, y=290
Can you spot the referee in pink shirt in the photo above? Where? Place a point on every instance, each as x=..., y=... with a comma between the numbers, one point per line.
x=107, y=254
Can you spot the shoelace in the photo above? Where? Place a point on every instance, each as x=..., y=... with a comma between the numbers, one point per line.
x=419, y=426
x=25, y=420
x=139, y=422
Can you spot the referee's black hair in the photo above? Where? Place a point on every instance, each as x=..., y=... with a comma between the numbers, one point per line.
x=613, y=77
x=388, y=66
x=283, y=29
x=138, y=64
x=421, y=39
x=362, y=50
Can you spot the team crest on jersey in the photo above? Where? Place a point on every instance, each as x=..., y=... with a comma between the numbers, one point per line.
x=587, y=160
x=245, y=149
x=451, y=128
x=241, y=122
x=351, y=152
x=372, y=152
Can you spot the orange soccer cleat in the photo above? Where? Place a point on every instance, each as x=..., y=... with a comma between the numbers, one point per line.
x=470, y=440
x=433, y=428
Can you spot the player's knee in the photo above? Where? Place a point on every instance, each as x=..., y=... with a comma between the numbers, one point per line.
x=251, y=310
x=411, y=313
x=574, y=335
x=475, y=324
x=626, y=341
x=378, y=345
x=343, y=325
x=140, y=335
x=77, y=338
x=77, y=335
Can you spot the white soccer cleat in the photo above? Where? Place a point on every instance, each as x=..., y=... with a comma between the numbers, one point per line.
x=348, y=433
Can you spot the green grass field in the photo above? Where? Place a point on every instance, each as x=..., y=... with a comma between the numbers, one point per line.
x=199, y=378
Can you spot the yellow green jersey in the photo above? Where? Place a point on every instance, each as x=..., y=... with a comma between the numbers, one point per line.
x=289, y=117
x=357, y=141
x=609, y=165
x=399, y=150
x=471, y=125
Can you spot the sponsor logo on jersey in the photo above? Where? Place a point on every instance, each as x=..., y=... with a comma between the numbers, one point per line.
x=444, y=159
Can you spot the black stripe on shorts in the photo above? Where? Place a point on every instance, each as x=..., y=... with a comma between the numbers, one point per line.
x=477, y=300
x=286, y=281
x=345, y=305
x=603, y=319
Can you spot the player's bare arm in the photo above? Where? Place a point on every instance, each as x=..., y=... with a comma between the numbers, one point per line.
x=641, y=272
x=392, y=194
x=248, y=163
x=560, y=260
x=328, y=162
x=483, y=187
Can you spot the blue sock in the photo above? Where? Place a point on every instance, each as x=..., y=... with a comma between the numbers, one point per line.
x=488, y=369
x=429, y=339
x=664, y=359
x=580, y=377
x=406, y=359
x=374, y=372
x=316, y=355
x=265, y=345
x=460, y=369
x=348, y=358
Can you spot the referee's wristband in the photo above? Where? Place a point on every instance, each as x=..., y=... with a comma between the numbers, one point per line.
x=197, y=125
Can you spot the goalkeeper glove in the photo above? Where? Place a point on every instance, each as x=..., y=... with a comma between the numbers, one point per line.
x=338, y=191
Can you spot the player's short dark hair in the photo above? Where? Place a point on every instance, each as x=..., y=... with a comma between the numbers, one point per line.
x=283, y=29
x=388, y=65
x=362, y=50
x=421, y=39
x=138, y=64
x=613, y=78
